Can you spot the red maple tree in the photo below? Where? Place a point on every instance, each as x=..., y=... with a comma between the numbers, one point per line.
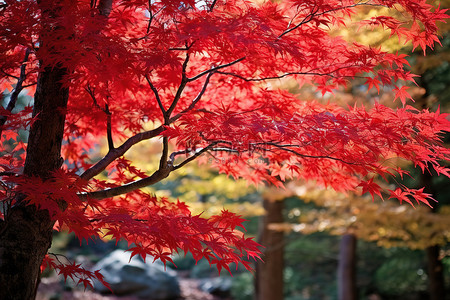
x=199, y=77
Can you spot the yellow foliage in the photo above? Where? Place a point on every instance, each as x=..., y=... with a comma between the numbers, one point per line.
x=386, y=222
x=205, y=191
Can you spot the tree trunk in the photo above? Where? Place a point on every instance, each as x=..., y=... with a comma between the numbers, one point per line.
x=347, y=268
x=435, y=273
x=26, y=233
x=269, y=273
x=436, y=282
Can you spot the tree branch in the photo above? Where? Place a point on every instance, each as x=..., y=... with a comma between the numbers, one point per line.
x=105, y=7
x=310, y=73
x=212, y=5
x=286, y=148
x=195, y=101
x=9, y=75
x=28, y=85
x=307, y=19
x=119, y=151
x=214, y=69
x=197, y=153
x=162, y=172
x=184, y=81
x=108, y=117
x=165, y=152
x=150, y=19
x=17, y=89
x=108, y=128
x=155, y=92
x=129, y=187
x=313, y=14
x=274, y=77
x=225, y=149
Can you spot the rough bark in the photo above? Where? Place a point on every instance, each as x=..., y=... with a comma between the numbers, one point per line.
x=26, y=233
x=269, y=273
x=436, y=281
x=347, y=268
x=435, y=274
x=25, y=238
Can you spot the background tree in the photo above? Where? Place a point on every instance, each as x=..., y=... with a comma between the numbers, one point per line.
x=269, y=279
x=384, y=223
x=195, y=75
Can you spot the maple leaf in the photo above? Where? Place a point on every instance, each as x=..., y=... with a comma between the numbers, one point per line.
x=402, y=94
x=46, y=263
x=371, y=187
x=400, y=195
x=420, y=196
x=281, y=171
x=442, y=170
x=373, y=82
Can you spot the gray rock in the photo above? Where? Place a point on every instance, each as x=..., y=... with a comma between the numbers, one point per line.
x=135, y=277
x=219, y=286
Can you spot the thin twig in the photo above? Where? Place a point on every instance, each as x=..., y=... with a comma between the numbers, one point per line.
x=195, y=101
x=179, y=48
x=225, y=149
x=195, y=155
x=212, y=5
x=155, y=92
x=106, y=110
x=184, y=81
x=213, y=69
x=94, y=99
x=274, y=77
x=151, y=15
x=305, y=20
x=9, y=75
x=8, y=173
x=109, y=128
x=18, y=88
x=117, y=152
x=285, y=148
x=309, y=73
x=176, y=153
x=28, y=85
x=313, y=14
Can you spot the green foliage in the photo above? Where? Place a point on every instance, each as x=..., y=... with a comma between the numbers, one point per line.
x=403, y=272
x=183, y=261
x=311, y=266
x=242, y=287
